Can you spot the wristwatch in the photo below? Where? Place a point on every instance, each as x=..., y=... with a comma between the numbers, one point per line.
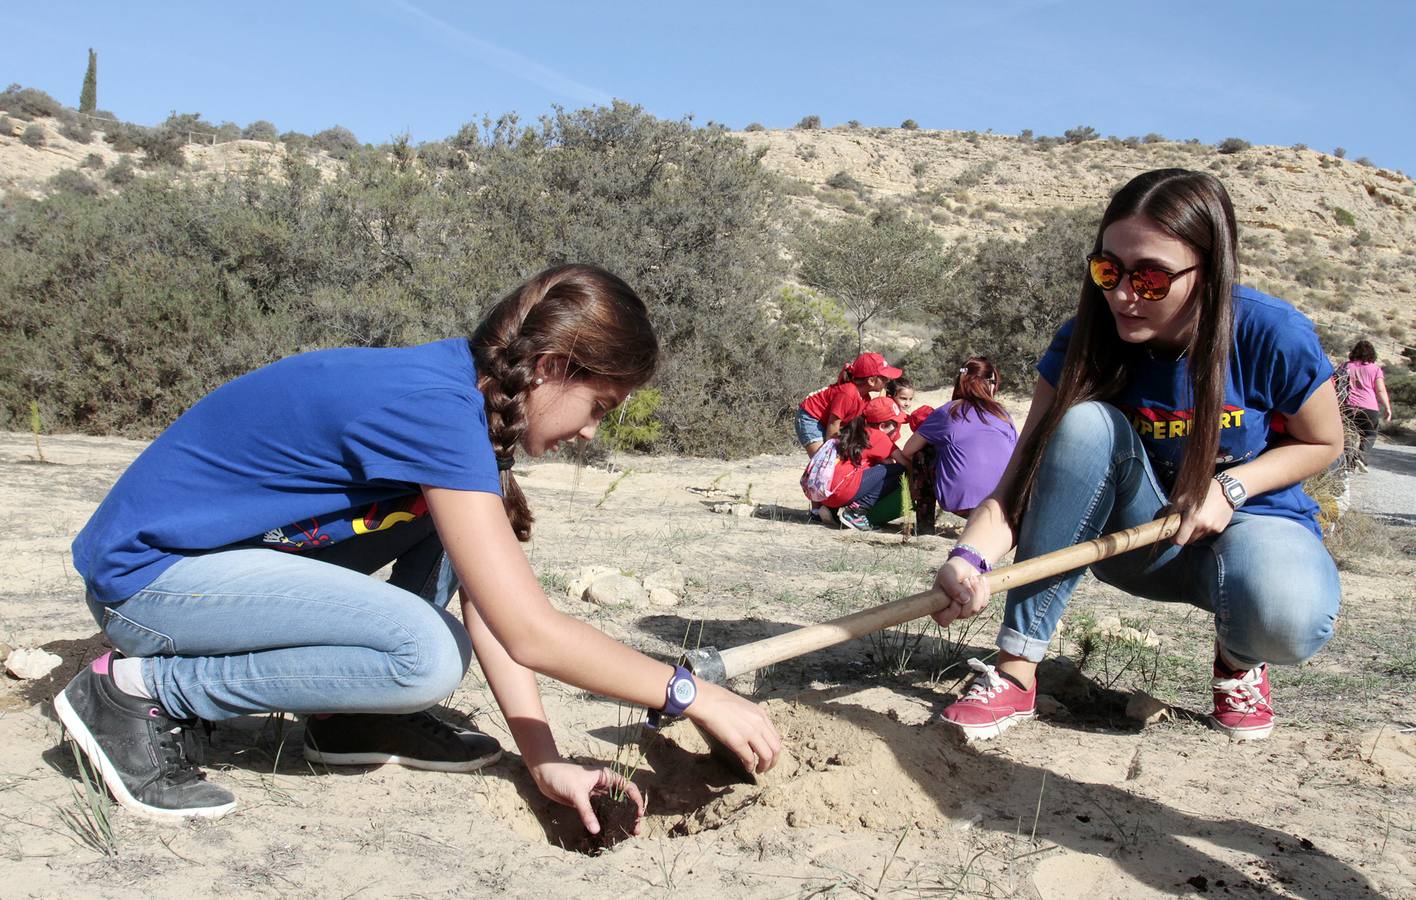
x=682, y=690
x=1233, y=489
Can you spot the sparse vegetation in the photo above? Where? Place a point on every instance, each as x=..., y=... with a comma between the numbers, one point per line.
x=754, y=126
x=33, y=135
x=910, y=125
x=1232, y=145
x=1079, y=134
x=809, y=123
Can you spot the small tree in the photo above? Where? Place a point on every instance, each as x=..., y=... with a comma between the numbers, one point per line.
x=910, y=125
x=88, y=96
x=877, y=266
x=1340, y=152
x=260, y=130
x=1079, y=134
x=754, y=126
x=1232, y=145
x=808, y=123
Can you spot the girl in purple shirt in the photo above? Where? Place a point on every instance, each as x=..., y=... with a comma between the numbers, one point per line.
x=972, y=437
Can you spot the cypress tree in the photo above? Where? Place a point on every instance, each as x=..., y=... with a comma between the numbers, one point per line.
x=88, y=97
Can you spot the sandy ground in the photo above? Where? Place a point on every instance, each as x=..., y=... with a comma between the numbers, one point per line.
x=875, y=799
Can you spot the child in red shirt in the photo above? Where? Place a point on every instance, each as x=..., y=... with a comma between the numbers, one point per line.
x=868, y=463
x=820, y=415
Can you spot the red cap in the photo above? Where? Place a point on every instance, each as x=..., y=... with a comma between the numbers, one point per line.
x=868, y=364
x=883, y=409
x=919, y=415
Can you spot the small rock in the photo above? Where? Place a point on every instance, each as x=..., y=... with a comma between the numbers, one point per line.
x=744, y=510
x=585, y=578
x=1109, y=624
x=1050, y=706
x=31, y=663
x=6, y=650
x=662, y=597
x=1147, y=710
x=617, y=590
x=670, y=579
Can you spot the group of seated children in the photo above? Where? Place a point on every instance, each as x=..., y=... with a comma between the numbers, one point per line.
x=852, y=429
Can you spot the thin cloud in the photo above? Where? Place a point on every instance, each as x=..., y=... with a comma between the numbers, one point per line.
x=508, y=61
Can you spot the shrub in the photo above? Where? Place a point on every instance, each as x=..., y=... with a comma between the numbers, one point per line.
x=1232, y=145
x=1362, y=238
x=1364, y=161
x=1340, y=152
x=260, y=130
x=93, y=161
x=844, y=181
x=228, y=131
x=74, y=181
x=1153, y=138
x=1343, y=217
x=1006, y=298
x=33, y=135
x=163, y=147
x=755, y=126
x=77, y=132
x=338, y=141
x=853, y=123
x=1079, y=134
x=296, y=142
x=1131, y=142
x=910, y=125
x=123, y=137
x=808, y=123
x=121, y=172
x=1026, y=135
x=7, y=126
x=1300, y=146
x=918, y=168
x=28, y=103
x=633, y=426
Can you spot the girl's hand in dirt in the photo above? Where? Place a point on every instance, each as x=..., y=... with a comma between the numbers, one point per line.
x=572, y=784
x=1211, y=517
x=740, y=724
x=966, y=588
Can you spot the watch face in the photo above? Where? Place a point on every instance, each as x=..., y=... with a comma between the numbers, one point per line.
x=684, y=692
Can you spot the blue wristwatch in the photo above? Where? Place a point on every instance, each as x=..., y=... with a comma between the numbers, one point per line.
x=679, y=695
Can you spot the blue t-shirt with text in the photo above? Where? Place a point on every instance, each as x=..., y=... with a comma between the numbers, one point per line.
x=1276, y=363
x=303, y=453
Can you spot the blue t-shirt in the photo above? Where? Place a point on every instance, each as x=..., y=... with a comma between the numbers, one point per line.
x=302, y=453
x=1275, y=365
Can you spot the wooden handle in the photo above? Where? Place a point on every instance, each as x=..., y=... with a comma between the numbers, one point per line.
x=754, y=656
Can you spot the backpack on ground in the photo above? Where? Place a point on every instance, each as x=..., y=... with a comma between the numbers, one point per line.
x=816, y=480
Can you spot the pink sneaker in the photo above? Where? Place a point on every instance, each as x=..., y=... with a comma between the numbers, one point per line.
x=992, y=703
x=1241, y=703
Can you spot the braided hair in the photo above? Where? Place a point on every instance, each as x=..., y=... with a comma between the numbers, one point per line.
x=585, y=322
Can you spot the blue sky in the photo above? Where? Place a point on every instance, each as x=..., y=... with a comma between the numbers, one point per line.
x=1325, y=74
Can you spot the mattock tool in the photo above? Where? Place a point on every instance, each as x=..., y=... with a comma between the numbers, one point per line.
x=718, y=666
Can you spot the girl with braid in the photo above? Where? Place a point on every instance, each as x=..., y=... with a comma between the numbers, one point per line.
x=231, y=564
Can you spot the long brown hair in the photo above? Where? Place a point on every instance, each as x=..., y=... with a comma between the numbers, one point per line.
x=582, y=318
x=1195, y=208
x=975, y=386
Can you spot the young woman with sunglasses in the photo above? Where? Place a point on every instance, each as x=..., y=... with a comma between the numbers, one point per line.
x=1173, y=387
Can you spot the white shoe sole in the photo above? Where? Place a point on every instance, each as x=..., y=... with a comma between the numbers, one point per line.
x=79, y=733
x=393, y=759
x=984, y=732
x=1240, y=734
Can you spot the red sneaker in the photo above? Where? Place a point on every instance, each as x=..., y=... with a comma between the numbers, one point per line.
x=992, y=703
x=1241, y=703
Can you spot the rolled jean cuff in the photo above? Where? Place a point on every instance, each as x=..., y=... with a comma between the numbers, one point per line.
x=1018, y=644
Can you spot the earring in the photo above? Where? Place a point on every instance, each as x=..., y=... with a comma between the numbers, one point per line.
x=540, y=381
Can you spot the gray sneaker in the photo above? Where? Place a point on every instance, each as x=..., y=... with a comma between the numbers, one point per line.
x=417, y=740
x=145, y=756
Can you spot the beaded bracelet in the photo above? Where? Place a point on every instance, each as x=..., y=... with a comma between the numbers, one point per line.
x=971, y=555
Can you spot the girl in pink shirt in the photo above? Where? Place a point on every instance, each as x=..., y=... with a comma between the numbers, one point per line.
x=1366, y=397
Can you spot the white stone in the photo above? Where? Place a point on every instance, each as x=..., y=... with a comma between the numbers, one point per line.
x=670, y=579
x=586, y=577
x=31, y=663
x=1147, y=710
x=662, y=597
x=617, y=590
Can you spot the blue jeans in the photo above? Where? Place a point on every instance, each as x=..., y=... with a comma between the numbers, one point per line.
x=808, y=428
x=873, y=484
x=243, y=631
x=1269, y=581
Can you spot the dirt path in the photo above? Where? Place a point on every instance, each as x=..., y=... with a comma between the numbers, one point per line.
x=876, y=798
x=1388, y=490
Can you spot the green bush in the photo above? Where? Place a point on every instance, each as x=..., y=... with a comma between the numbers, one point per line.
x=1079, y=134
x=296, y=142
x=76, y=131
x=754, y=126
x=260, y=130
x=1006, y=298
x=123, y=137
x=1401, y=389
x=632, y=426
x=163, y=147
x=910, y=125
x=74, y=181
x=28, y=103
x=122, y=171
x=7, y=125
x=93, y=161
x=808, y=123
x=1343, y=217
x=1026, y=135
x=1153, y=138
x=844, y=181
x=33, y=135
x=338, y=141
x=1232, y=145
x=1339, y=152
x=117, y=312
